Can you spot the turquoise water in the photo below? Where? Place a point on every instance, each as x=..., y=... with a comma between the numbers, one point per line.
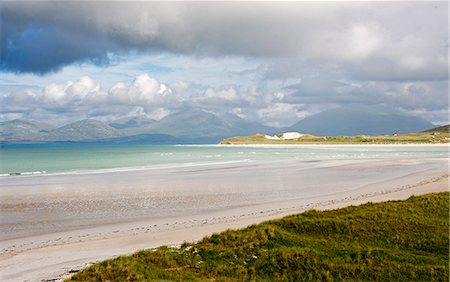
x=79, y=158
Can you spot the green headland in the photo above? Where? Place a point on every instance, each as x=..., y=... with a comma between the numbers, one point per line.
x=398, y=240
x=435, y=135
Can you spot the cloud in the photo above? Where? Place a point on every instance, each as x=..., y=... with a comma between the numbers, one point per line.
x=19, y=102
x=407, y=96
x=180, y=86
x=226, y=94
x=281, y=114
x=41, y=48
x=238, y=112
x=147, y=95
x=84, y=97
x=144, y=95
x=370, y=40
x=144, y=90
x=159, y=113
x=78, y=90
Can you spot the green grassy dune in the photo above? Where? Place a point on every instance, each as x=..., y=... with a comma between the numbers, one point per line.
x=401, y=240
x=444, y=128
x=436, y=135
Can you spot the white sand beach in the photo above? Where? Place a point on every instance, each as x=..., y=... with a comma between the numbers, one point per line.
x=55, y=224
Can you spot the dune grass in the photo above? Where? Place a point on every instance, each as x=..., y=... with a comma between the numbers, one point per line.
x=401, y=240
x=432, y=136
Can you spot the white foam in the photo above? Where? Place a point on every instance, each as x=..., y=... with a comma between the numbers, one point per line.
x=22, y=173
x=124, y=169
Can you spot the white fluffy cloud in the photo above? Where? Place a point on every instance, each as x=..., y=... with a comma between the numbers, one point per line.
x=84, y=97
x=63, y=93
x=144, y=90
x=144, y=95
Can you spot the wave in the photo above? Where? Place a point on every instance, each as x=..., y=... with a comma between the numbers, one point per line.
x=37, y=172
x=121, y=169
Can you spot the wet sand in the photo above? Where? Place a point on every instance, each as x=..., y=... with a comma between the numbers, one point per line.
x=52, y=224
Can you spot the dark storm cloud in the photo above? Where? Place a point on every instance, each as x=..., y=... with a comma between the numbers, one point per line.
x=41, y=49
x=408, y=38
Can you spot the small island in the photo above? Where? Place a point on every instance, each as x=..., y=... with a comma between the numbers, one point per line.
x=436, y=135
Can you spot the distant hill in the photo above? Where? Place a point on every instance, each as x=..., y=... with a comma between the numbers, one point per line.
x=199, y=126
x=194, y=123
x=188, y=126
x=156, y=138
x=134, y=125
x=20, y=129
x=444, y=128
x=353, y=122
x=145, y=138
x=83, y=130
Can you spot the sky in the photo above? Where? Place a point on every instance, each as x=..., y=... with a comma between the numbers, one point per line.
x=271, y=62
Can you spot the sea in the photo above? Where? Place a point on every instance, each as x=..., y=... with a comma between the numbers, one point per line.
x=79, y=158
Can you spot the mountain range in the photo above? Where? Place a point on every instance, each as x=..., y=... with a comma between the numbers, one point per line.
x=348, y=122
x=199, y=126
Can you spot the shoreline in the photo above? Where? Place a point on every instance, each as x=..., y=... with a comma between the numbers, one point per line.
x=381, y=145
x=204, y=163
x=121, y=169
x=54, y=255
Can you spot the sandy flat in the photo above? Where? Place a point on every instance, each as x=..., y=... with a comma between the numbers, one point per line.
x=54, y=224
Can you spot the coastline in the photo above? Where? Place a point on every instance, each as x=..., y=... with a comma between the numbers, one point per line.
x=55, y=254
x=431, y=145
x=224, y=151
